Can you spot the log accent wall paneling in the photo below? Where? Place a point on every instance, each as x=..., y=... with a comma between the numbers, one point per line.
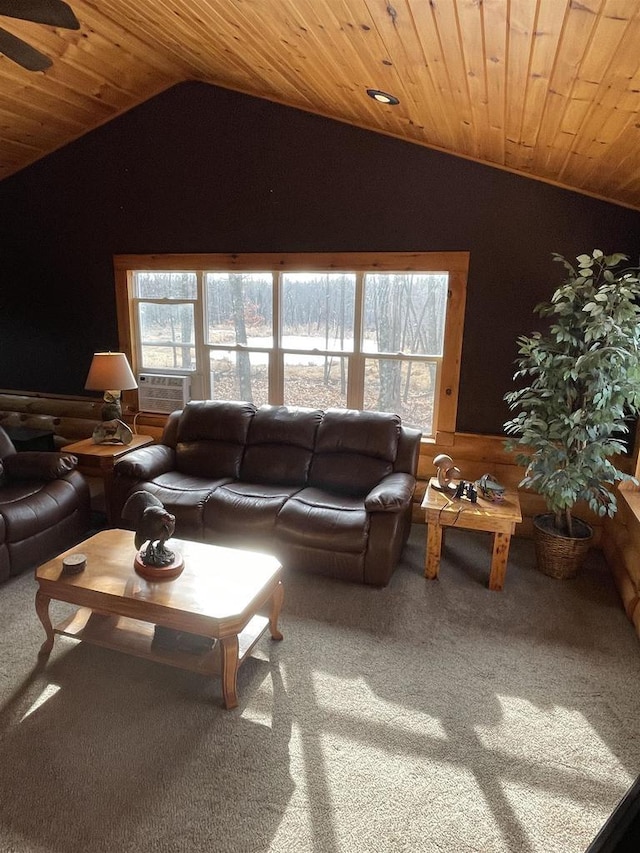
x=621, y=547
x=549, y=89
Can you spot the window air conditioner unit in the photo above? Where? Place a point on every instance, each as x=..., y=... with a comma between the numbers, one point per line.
x=162, y=393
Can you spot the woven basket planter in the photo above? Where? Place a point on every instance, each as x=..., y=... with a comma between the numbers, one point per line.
x=560, y=556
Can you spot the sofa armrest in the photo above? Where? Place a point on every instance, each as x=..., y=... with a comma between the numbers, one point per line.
x=146, y=462
x=38, y=465
x=391, y=494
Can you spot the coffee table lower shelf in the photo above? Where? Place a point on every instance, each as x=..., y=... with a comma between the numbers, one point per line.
x=135, y=637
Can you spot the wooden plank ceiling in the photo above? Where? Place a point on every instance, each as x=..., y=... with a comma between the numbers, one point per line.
x=545, y=88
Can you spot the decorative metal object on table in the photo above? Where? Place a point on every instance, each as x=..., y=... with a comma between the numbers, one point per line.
x=114, y=431
x=490, y=488
x=153, y=526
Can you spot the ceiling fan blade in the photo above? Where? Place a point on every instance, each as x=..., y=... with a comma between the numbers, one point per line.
x=22, y=53
x=53, y=12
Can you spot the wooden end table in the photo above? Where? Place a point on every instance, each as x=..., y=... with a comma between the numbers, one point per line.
x=218, y=595
x=499, y=518
x=97, y=460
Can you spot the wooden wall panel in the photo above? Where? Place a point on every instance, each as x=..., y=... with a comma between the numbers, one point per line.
x=544, y=88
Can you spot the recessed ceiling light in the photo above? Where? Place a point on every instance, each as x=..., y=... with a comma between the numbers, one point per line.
x=383, y=97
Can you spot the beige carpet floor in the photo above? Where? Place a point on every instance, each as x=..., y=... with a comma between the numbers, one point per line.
x=431, y=716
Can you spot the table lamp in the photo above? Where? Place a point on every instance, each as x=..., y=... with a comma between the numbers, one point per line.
x=110, y=372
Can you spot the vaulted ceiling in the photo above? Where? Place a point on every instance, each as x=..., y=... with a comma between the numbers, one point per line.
x=545, y=88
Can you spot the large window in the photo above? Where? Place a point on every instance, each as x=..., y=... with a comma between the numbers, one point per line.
x=359, y=331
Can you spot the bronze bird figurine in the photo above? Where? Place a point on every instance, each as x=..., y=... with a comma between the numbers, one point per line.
x=153, y=524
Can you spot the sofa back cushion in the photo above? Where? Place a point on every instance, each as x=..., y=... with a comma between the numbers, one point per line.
x=211, y=436
x=170, y=431
x=408, y=451
x=280, y=445
x=354, y=450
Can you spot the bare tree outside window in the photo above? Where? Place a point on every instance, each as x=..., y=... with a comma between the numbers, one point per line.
x=239, y=313
x=318, y=310
x=166, y=319
x=404, y=316
x=243, y=365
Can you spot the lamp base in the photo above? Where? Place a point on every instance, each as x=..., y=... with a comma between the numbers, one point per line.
x=112, y=407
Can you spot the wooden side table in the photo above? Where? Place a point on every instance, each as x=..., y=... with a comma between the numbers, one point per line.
x=499, y=518
x=97, y=460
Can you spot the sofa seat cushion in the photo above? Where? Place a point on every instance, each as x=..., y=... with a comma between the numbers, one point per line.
x=316, y=518
x=246, y=508
x=184, y=496
x=241, y=510
x=30, y=506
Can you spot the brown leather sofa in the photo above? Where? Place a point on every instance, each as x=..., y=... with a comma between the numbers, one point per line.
x=325, y=491
x=45, y=506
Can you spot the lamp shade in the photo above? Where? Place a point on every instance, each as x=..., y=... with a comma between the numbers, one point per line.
x=110, y=371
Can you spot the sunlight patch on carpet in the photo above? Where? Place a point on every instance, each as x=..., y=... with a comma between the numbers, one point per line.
x=260, y=708
x=361, y=705
x=48, y=693
x=559, y=741
x=544, y=814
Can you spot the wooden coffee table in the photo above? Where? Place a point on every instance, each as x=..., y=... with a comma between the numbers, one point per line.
x=219, y=594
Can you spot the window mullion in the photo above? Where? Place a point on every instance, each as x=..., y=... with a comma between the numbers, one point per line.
x=355, y=382
x=202, y=372
x=276, y=358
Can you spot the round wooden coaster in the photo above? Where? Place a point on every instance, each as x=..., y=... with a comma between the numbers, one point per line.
x=74, y=563
x=155, y=573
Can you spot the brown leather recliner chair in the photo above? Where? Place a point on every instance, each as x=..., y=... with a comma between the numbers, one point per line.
x=45, y=506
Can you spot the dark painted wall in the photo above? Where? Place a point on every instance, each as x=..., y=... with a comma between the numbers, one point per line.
x=200, y=169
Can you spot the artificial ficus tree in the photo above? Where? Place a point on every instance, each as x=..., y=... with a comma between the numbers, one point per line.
x=582, y=385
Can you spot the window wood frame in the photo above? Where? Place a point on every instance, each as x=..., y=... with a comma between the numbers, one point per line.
x=456, y=264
